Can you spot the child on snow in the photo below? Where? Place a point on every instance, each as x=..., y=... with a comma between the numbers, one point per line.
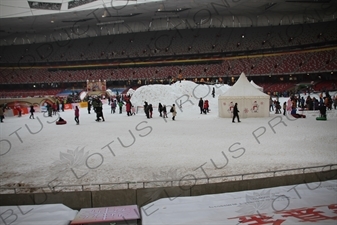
x=113, y=106
x=133, y=110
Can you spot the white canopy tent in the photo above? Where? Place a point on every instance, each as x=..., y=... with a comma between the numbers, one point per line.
x=256, y=86
x=251, y=101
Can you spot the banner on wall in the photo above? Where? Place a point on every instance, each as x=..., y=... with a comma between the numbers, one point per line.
x=83, y=104
x=304, y=204
x=96, y=85
x=39, y=104
x=13, y=104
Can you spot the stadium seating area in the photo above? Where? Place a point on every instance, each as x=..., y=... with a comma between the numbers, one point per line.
x=256, y=51
x=285, y=64
x=171, y=43
x=325, y=85
x=277, y=87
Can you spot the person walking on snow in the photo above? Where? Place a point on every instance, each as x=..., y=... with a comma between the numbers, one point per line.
x=271, y=104
x=128, y=108
x=120, y=104
x=54, y=109
x=89, y=106
x=206, y=106
x=146, y=110
x=164, y=111
x=18, y=108
x=160, y=109
x=32, y=110
x=236, y=113
x=98, y=106
x=284, y=108
x=150, y=108
x=201, y=105
x=1, y=114
x=133, y=110
x=77, y=115
x=173, y=111
x=113, y=106
x=62, y=105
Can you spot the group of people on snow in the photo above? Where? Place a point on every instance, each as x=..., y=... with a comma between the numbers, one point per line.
x=309, y=103
x=204, y=106
x=148, y=109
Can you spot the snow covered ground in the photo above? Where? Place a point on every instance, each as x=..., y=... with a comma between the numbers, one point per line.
x=38, y=153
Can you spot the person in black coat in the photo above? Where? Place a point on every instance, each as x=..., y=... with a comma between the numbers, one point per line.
x=322, y=110
x=32, y=110
x=150, y=110
x=236, y=113
x=2, y=111
x=146, y=110
x=201, y=105
x=98, y=107
x=164, y=111
x=160, y=109
x=89, y=106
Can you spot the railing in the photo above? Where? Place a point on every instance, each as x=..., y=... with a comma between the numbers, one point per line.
x=170, y=183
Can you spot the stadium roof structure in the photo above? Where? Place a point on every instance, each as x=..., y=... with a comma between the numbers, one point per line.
x=27, y=21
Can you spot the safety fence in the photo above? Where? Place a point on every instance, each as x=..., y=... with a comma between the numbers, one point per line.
x=184, y=181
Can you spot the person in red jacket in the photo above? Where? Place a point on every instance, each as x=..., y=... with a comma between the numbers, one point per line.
x=206, y=106
x=54, y=108
x=18, y=108
x=77, y=115
x=128, y=108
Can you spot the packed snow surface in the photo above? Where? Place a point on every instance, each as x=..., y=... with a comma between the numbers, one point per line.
x=38, y=153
